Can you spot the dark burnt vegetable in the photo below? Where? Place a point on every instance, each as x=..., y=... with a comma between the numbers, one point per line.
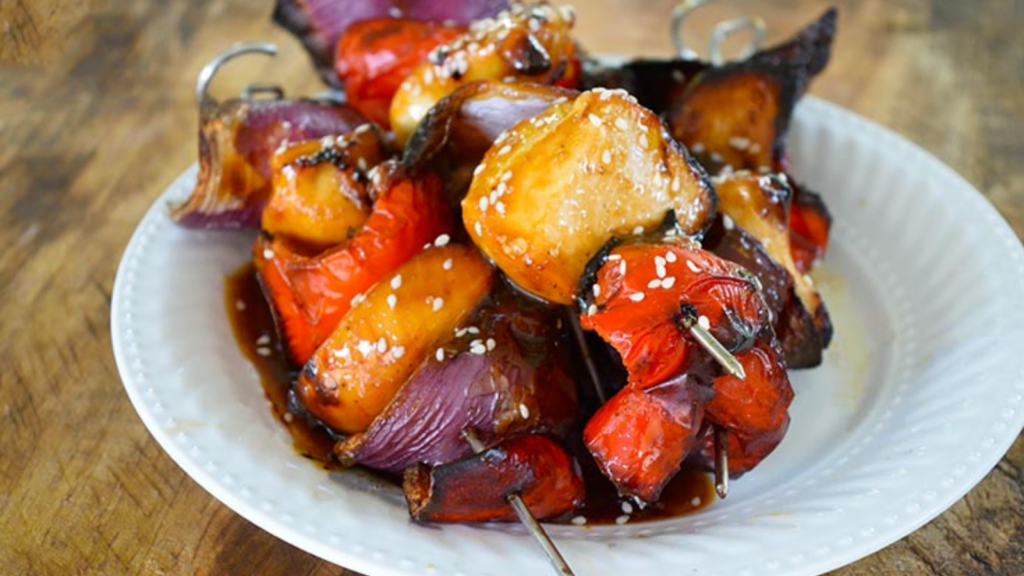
x=318, y=24
x=477, y=488
x=310, y=293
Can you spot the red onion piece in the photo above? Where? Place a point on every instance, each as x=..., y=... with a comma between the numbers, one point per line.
x=236, y=140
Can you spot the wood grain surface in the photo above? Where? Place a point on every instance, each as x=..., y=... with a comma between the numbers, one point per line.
x=97, y=118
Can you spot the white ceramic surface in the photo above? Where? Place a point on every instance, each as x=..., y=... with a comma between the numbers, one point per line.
x=918, y=398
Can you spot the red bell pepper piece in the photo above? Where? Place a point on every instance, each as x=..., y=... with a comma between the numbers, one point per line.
x=373, y=57
x=310, y=295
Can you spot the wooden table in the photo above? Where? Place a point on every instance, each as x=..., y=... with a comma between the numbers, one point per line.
x=97, y=117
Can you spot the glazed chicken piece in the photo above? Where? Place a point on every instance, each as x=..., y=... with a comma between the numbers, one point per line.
x=320, y=196
x=610, y=169
x=525, y=43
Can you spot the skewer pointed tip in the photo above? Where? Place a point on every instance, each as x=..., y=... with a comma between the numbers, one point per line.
x=721, y=463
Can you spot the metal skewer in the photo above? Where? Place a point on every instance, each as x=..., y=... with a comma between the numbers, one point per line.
x=721, y=462
x=581, y=341
x=690, y=321
x=210, y=69
x=526, y=517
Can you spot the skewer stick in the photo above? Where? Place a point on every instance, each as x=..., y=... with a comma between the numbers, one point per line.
x=700, y=333
x=581, y=341
x=526, y=517
x=721, y=462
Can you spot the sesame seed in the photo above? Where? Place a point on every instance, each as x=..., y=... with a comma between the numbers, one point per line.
x=614, y=257
x=670, y=257
x=716, y=157
x=627, y=508
x=357, y=299
x=344, y=352
x=263, y=351
x=638, y=230
x=622, y=519
x=591, y=310
x=654, y=284
x=524, y=411
x=755, y=148
x=637, y=297
x=362, y=128
x=447, y=265
x=478, y=229
x=727, y=222
x=668, y=282
x=606, y=157
x=675, y=184
x=239, y=305
x=473, y=330
x=361, y=163
x=478, y=349
x=659, y=266
x=621, y=123
x=500, y=207
x=579, y=520
x=439, y=354
x=739, y=143
x=491, y=343
x=396, y=282
x=693, y=267
x=268, y=254
x=597, y=290
x=559, y=100
x=441, y=240
x=506, y=176
x=695, y=501
x=704, y=322
x=364, y=347
x=382, y=345
x=483, y=203
x=595, y=120
x=289, y=417
x=392, y=300
x=438, y=304
x=398, y=351
x=697, y=148
x=504, y=150
x=263, y=340
x=643, y=140
x=479, y=168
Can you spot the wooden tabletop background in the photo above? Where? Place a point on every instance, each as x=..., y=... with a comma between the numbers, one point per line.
x=97, y=118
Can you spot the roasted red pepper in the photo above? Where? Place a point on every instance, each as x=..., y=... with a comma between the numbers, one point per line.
x=476, y=489
x=373, y=57
x=311, y=294
x=809, y=225
x=758, y=403
x=641, y=435
x=635, y=299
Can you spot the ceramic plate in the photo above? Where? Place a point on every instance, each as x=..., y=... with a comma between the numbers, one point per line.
x=918, y=398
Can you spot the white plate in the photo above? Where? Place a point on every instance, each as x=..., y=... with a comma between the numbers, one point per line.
x=918, y=398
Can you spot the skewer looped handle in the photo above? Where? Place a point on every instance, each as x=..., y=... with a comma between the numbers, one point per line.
x=719, y=34
x=203, y=97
